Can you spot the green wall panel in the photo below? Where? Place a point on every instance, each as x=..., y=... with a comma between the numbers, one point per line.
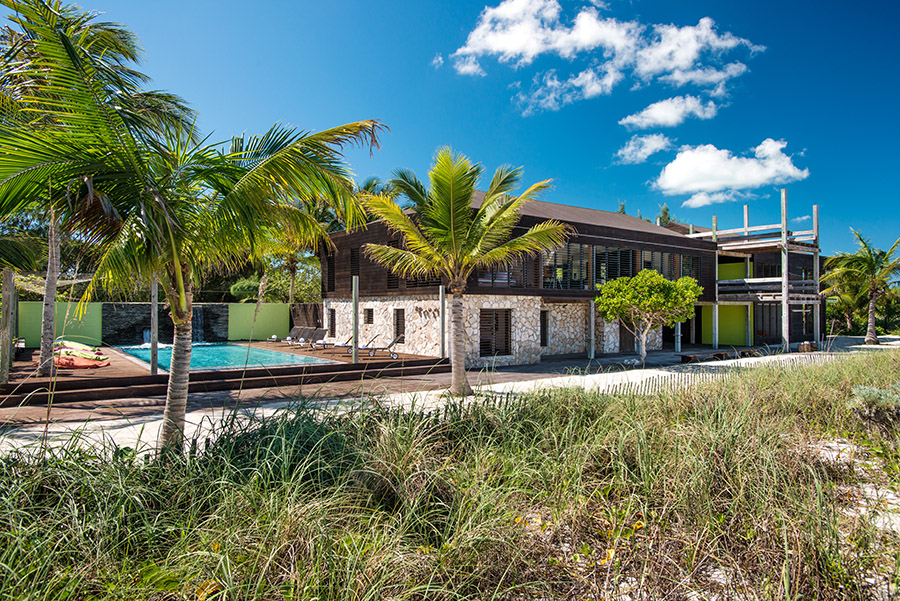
x=733, y=271
x=89, y=329
x=732, y=325
x=273, y=318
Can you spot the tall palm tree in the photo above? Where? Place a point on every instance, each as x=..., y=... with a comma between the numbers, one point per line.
x=163, y=204
x=446, y=236
x=30, y=98
x=875, y=271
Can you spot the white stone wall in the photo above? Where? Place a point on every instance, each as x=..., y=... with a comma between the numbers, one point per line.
x=422, y=335
x=567, y=328
x=568, y=333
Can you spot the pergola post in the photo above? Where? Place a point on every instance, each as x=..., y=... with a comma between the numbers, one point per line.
x=6, y=326
x=817, y=307
x=678, y=337
x=715, y=310
x=354, y=321
x=592, y=331
x=442, y=318
x=154, y=326
x=785, y=275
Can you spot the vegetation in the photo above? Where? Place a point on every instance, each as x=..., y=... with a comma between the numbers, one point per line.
x=869, y=273
x=161, y=202
x=556, y=494
x=648, y=301
x=448, y=237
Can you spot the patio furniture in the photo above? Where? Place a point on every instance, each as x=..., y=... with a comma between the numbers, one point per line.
x=387, y=348
x=311, y=339
x=295, y=333
x=363, y=347
x=307, y=335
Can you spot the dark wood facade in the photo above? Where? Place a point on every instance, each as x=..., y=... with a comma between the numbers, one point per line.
x=348, y=257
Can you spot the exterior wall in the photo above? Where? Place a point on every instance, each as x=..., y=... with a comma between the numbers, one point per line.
x=87, y=330
x=732, y=325
x=125, y=323
x=273, y=319
x=567, y=328
x=422, y=335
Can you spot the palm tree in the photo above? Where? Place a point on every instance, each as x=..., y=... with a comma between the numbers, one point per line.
x=30, y=97
x=875, y=271
x=164, y=204
x=446, y=236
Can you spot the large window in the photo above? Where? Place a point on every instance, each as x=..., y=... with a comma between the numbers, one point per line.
x=568, y=268
x=521, y=274
x=612, y=263
x=495, y=330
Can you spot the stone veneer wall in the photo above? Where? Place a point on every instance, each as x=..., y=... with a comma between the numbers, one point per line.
x=568, y=326
x=124, y=323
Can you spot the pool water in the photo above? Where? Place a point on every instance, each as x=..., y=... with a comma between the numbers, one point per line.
x=222, y=355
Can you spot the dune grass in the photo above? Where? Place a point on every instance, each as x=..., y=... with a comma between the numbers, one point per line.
x=557, y=494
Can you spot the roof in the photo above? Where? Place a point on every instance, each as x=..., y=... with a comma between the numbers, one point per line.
x=575, y=215
x=685, y=228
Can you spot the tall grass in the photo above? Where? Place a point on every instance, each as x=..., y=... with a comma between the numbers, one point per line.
x=556, y=494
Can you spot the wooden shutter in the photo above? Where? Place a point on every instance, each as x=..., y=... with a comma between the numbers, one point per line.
x=495, y=332
x=393, y=282
x=329, y=272
x=544, y=328
x=332, y=323
x=354, y=261
x=369, y=316
x=400, y=325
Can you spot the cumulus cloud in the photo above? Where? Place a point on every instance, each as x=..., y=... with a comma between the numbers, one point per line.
x=670, y=112
x=715, y=175
x=702, y=199
x=438, y=61
x=516, y=32
x=801, y=219
x=639, y=148
x=548, y=92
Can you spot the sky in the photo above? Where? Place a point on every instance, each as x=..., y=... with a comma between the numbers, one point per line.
x=702, y=105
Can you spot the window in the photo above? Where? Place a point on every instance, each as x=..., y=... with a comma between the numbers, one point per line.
x=354, y=261
x=329, y=272
x=393, y=282
x=495, y=332
x=521, y=274
x=332, y=323
x=544, y=328
x=400, y=325
x=611, y=263
x=368, y=316
x=568, y=268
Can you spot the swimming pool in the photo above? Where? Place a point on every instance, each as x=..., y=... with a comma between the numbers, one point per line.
x=222, y=355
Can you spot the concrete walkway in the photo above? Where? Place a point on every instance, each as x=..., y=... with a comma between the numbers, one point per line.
x=136, y=423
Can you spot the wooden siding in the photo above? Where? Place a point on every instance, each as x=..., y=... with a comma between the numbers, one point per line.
x=374, y=278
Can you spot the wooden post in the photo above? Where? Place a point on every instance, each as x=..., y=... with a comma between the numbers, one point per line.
x=154, y=327
x=355, y=319
x=694, y=328
x=442, y=318
x=747, y=233
x=817, y=307
x=6, y=326
x=715, y=310
x=749, y=324
x=785, y=275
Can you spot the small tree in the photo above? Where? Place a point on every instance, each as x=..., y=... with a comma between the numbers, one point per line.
x=648, y=301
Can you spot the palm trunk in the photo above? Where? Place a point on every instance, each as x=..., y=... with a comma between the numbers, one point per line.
x=459, y=385
x=46, y=367
x=871, y=334
x=6, y=326
x=172, y=433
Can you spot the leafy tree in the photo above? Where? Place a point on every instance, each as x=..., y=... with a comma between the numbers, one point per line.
x=166, y=205
x=648, y=301
x=665, y=216
x=446, y=236
x=873, y=269
x=621, y=209
x=39, y=32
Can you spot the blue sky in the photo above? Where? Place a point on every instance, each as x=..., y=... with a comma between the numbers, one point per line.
x=709, y=103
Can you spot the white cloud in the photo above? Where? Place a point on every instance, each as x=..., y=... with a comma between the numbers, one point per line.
x=639, y=148
x=550, y=93
x=516, y=32
x=706, y=170
x=670, y=112
x=801, y=219
x=438, y=61
x=680, y=48
x=703, y=199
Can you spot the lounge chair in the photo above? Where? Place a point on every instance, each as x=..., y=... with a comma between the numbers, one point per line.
x=387, y=348
x=312, y=338
x=363, y=347
x=297, y=333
